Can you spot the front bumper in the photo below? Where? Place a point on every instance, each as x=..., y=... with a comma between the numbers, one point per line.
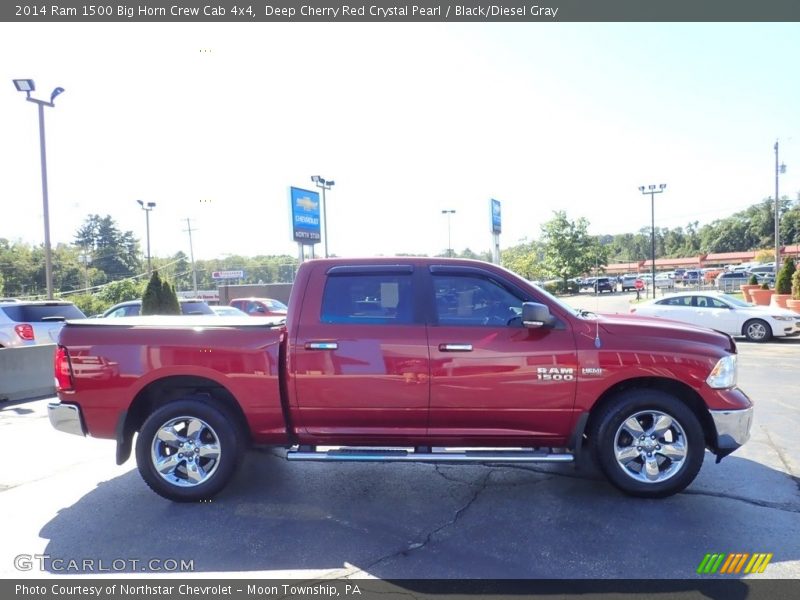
x=66, y=418
x=733, y=428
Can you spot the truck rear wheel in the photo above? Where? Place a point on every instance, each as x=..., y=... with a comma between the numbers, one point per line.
x=648, y=443
x=187, y=450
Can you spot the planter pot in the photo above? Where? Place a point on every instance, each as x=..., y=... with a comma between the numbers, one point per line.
x=793, y=305
x=761, y=297
x=746, y=289
x=780, y=300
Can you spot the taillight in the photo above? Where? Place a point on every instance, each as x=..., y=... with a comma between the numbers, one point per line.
x=25, y=331
x=63, y=370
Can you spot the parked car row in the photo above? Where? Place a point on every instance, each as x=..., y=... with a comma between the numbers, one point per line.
x=27, y=323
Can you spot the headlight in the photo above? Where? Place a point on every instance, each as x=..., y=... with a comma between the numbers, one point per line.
x=723, y=375
x=782, y=318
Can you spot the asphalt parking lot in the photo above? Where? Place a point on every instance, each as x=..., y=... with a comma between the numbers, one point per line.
x=62, y=496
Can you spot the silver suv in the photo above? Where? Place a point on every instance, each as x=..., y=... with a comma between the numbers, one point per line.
x=24, y=323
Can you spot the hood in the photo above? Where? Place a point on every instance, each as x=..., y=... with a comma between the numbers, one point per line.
x=652, y=327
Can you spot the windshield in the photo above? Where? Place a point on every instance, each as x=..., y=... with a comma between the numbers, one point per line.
x=735, y=301
x=565, y=307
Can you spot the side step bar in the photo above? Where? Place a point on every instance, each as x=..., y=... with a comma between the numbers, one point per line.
x=426, y=454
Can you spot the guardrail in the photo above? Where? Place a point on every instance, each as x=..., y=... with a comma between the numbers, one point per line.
x=27, y=372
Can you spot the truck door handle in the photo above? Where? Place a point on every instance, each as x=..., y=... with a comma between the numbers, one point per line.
x=455, y=347
x=322, y=346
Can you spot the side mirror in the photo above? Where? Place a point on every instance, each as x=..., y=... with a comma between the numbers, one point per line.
x=535, y=315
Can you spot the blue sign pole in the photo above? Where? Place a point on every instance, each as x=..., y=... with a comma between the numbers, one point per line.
x=497, y=227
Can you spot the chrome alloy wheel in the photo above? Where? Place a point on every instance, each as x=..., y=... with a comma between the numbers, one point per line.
x=650, y=446
x=185, y=451
x=756, y=331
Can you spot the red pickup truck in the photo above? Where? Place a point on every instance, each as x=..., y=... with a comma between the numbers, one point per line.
x=404, y=359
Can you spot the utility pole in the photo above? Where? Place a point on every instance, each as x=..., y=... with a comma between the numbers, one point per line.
x=191, y=254
x=147, y=207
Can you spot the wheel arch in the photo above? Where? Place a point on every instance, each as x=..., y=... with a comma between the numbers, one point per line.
x=770, y=332
x=168, y=389
x=671, y=386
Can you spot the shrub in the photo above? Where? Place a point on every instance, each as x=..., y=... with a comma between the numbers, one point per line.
x=796, y=285
x=783, y=284
x=753, y=280
x=765, y=286
x=89, y=304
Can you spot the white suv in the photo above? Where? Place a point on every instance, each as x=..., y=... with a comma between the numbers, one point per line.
x=24, y=323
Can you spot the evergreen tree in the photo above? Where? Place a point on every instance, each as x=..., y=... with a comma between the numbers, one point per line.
x=160, y=297
x=169, y=299
x=783, y=284
x=151, y=300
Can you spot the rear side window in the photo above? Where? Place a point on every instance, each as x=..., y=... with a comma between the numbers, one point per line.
x=677, y=301
x=196, y=308
x=368, y=299
x=36, y=313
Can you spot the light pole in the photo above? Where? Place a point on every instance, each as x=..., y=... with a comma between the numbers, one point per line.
x=27, y=86
x=778, y=169
x=653, y=190
x=324, y=184
x=147, y=207
x=449, y=248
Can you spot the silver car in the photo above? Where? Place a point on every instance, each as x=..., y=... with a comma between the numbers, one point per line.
x=27, y=323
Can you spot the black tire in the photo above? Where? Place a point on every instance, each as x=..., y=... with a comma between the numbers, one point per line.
x=670, y=473
x=757, y=330
x=197, y=464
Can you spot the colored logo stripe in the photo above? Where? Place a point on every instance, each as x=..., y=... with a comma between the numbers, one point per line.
x=733, y=563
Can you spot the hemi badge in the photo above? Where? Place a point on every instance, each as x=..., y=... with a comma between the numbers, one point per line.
x=592, y=371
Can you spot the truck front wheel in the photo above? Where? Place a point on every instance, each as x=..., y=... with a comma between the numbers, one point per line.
x=187, y=450
x=648, y=443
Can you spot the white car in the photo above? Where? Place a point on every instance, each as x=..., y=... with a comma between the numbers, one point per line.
x=723, y=313
x=24, y=323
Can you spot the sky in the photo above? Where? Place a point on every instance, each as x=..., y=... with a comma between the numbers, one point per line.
x=215, y=121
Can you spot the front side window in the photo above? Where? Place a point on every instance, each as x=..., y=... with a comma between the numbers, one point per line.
x=472, y=300
x=368, y=299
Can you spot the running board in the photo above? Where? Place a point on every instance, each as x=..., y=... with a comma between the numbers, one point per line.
x=436, y=455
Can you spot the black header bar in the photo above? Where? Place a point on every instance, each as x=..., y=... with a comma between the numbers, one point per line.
x=535, y=11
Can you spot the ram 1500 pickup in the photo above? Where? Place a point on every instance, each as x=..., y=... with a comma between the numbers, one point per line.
x=404, y=359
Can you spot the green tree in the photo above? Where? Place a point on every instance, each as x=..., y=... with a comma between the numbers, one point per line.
x=114, y=252
x=121, y=291
x=90, y=305
x=526, y=259
x=159, y=297
x=783, y=283
x=151, y=299
x=169, y=299
x=569, y=250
